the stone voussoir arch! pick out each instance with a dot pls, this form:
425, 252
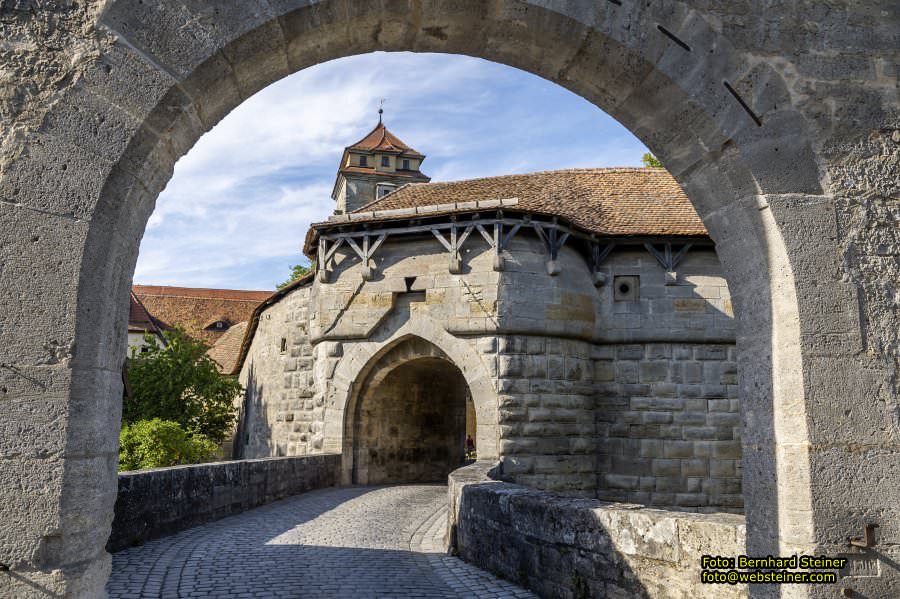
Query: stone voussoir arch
88, 155
427, 339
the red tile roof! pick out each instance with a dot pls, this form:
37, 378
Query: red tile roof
605, 201
194, 309
139, 320
226, 350
380, 139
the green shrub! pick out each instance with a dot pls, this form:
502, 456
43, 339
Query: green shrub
179, 382
158, 443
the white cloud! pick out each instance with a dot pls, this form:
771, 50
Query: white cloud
237, 209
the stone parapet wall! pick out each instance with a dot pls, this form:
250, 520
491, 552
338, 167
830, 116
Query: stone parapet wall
668, 425
564, 547
163, 501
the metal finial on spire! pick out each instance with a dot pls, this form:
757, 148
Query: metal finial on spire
380, 110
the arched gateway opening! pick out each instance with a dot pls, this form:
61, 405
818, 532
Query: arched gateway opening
409, 413
411, 418
144, 80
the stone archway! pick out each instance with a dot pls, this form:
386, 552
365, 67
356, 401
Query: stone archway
784, 160
406, 420
416, 339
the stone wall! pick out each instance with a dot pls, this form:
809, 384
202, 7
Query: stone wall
668, 423
693, 306
546, 395
280, 413
410, 424
163, 501
579, 548
581, 411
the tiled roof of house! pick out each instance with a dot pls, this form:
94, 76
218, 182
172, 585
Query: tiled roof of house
139, 320
606, 201
380, 139
194, 309
226, 350
620, 202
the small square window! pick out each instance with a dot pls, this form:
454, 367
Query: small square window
385, 161
627, 288
363, 161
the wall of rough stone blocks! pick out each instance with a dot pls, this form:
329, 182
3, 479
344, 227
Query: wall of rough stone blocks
546, 398
668, 425
410, 424
579, 548
695, 306
280, 413
651, 421
146, 507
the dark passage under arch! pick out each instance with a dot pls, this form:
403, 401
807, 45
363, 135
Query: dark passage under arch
410, 423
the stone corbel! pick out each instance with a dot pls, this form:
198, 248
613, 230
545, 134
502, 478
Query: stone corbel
668, 260
325, 254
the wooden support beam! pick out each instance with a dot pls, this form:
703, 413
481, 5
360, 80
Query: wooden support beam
598, 255
668, 260
553, 240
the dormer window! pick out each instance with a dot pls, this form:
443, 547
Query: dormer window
406, 164
219, 325
385, 161
363, 161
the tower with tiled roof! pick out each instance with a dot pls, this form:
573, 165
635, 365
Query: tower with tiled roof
373, 167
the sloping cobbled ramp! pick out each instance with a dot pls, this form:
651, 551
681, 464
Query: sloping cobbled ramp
357, 542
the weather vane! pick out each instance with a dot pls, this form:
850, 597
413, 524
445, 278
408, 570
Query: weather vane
380, 110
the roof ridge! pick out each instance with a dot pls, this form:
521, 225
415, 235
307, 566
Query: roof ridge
597, 169
145, 286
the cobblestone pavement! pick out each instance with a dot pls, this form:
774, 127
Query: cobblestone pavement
354, 542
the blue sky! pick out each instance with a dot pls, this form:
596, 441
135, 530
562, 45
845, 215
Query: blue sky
237, 209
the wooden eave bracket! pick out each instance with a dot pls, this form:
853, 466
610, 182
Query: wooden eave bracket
669, 260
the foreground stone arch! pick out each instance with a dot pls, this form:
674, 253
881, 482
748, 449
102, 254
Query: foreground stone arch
791, 162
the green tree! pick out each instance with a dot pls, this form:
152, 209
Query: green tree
158, 443
650, 160
180, 383
297, 271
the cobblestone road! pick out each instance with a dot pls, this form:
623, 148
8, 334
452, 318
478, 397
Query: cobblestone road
353, 542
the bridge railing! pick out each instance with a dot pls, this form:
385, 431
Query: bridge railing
162, 501
562, 546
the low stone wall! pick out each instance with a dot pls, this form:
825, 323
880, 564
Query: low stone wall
163, 501
577, 548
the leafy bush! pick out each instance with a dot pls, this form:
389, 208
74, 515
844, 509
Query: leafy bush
180, 383
158, 443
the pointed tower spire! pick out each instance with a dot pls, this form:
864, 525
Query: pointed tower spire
380, 110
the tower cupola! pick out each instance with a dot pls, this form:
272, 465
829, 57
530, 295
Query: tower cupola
373, 167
